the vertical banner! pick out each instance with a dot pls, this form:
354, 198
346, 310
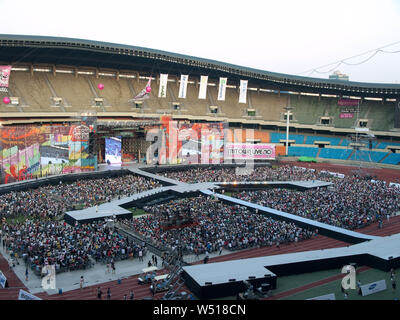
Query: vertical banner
222, 88
162, 93
183, 86
203, 87
5, 72
243, 91
3, 280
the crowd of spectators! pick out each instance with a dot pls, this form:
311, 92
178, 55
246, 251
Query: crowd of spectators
214, 225
230, 174
54, 200
351, 202
67, 247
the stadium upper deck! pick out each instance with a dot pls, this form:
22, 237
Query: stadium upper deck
49, 67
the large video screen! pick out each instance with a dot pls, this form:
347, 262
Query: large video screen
113, 150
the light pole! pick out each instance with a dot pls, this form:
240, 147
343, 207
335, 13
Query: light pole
287, 108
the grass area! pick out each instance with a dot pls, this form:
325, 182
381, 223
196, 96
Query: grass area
22, 218
17, 220
287, 283
79, 206
365, 277
290, 282
137, 212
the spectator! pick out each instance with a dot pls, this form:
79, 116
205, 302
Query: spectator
81, 282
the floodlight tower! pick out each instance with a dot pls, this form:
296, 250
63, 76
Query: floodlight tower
287, 108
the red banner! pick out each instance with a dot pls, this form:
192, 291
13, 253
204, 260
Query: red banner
346, 116
5, 72
348, 102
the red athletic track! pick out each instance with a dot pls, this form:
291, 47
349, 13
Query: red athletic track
117, 291
311, 285
320, 242
389, 175
14, 284
389, 228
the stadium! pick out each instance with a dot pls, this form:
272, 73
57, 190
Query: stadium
134, 173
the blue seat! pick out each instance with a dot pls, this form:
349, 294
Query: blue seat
333, 140
374, 156
393, 158
383, 145
277, 137
302, 151
330, 153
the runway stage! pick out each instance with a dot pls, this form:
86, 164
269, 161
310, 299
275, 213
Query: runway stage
381, 253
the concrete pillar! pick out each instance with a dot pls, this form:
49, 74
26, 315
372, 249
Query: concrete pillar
397, 113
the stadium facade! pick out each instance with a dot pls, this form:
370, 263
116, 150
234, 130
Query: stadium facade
55, 81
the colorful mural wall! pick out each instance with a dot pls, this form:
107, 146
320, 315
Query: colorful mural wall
28, 152
192, 142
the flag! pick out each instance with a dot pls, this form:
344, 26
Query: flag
144, 94
243, 91
203, 87
4, 77
162, 93
222, 88
183, 86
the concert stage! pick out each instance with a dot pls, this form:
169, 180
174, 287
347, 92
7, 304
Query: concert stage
382, 253
223, 279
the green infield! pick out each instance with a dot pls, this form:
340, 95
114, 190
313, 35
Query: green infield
137, 212
334, 286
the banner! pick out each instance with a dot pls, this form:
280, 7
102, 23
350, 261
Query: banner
162, 93
113, 150
183, 86
348, 102
330, 296
23, 295
203, 87
392, 184
3, 280
243, 91
222, 89
144, 94
346, 116
5, 72
249, 151
373, 287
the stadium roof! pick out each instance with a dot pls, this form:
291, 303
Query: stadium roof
18, 49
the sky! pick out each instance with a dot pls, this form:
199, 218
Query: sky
286, 36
